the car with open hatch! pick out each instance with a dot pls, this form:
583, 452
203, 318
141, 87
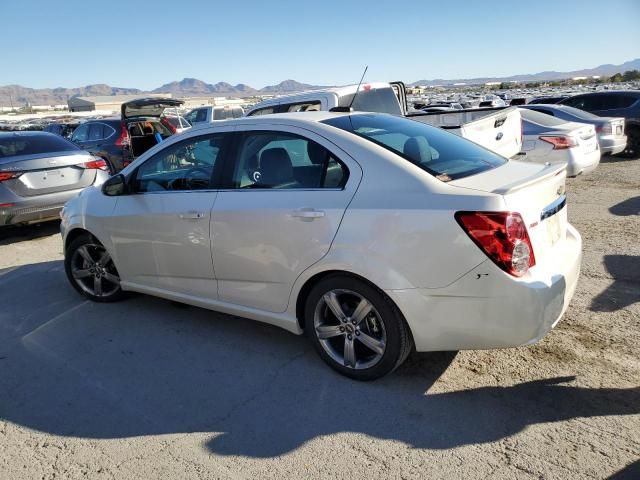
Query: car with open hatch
374, 234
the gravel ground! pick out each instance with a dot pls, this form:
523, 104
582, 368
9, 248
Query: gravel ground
150, 389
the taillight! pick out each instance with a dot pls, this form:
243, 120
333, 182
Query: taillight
123, 139
502, 236
604, 129
96, 164
559, 142
9, 175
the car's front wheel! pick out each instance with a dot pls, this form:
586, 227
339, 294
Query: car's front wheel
91, 270
355, 328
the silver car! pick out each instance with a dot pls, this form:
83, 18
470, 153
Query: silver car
610, 130
39, 172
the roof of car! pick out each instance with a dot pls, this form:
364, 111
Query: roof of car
295, 117
25, 133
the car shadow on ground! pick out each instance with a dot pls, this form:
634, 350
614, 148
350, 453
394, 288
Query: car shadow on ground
616, 159
625, 289
23, 233
141, 367
628, 207
630, 472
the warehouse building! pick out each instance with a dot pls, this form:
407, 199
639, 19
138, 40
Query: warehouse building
107, 102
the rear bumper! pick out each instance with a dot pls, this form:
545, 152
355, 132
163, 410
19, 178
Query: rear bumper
612, 145
580, 163
488, 308
35, 209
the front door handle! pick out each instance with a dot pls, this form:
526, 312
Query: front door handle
192, 215
307, 213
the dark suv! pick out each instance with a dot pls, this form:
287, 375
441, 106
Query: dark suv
623, 103
119, 141
106, 138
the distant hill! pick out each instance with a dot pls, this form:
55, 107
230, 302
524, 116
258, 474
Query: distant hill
602, 70
19, 96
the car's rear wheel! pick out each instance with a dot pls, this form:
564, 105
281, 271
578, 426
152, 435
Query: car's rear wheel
91, 270
355, 328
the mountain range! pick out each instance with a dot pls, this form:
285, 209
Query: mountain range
18, 96
605, 70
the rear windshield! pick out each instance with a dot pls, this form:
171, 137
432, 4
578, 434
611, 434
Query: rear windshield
382, 100
15, 145
442, 154
576, 112
540, 118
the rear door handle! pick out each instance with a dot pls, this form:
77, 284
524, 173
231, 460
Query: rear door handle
192, 215
307, 213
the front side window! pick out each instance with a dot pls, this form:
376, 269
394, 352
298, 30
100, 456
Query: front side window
262, 111
201, 115
303, 107
187, 165
382, 100
442, 154
276, 160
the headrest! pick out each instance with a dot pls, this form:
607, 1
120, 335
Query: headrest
275, 167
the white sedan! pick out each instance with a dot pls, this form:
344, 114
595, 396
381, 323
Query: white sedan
374, 234
549, 139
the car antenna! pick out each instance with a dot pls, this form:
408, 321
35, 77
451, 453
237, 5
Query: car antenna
349, 108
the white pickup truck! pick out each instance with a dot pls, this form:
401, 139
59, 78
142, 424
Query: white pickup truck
210, 113
498, 129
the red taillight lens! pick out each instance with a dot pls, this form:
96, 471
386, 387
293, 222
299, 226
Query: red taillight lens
123, 139
8, 175
502, 236
96, 164
559, 142
604, 129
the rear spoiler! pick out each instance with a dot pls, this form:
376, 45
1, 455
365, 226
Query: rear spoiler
551, 170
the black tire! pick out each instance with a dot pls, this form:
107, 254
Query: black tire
92, 273
387, 320
632, 149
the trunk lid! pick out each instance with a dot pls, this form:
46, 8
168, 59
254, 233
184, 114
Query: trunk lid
148, 107
536, 192
47, 173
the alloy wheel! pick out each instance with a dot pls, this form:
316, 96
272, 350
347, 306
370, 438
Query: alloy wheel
350, 329
93, 270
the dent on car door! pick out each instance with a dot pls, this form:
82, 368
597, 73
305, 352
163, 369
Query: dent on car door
160, 232
290, 189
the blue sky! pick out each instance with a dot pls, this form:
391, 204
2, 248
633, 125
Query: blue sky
144, 44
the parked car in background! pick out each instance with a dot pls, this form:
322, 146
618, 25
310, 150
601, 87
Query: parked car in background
120, 140
616, 103
549, 99
63, 129
493, 103
610, 130
549, 139
496, 129
210, 113
39, 172
373, 233
175, 123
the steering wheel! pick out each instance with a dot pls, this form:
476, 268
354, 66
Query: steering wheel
193, 179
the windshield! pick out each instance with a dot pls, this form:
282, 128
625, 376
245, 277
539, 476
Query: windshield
442, 154
14, 145
540, 118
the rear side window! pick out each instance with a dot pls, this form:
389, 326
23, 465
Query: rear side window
277, 160
442, 154
15, 145
81, 134
95, 131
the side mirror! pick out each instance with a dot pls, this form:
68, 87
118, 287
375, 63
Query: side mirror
116, 185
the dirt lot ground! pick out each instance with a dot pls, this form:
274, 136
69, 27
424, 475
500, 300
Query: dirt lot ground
148, 389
